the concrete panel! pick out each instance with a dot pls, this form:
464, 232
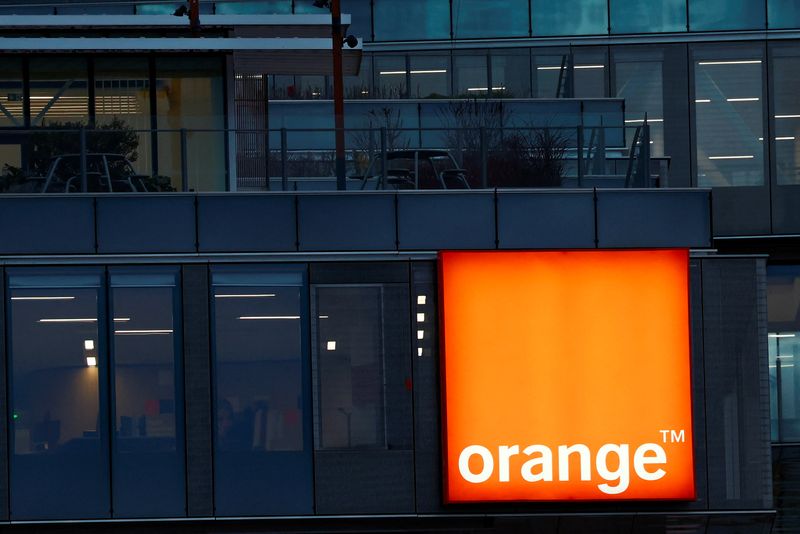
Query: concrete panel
246, 223
433, 220
146, 224
545, 219
653, 218
346, 221
47, 225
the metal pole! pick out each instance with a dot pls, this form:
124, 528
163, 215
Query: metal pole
580, 156
484, 160
184, 162
84, 177
284, 162
383, 158
338, 92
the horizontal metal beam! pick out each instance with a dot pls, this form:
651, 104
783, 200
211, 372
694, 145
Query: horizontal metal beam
166, 44
145, 21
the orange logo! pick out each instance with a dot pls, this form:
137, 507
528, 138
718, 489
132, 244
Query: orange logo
566, 375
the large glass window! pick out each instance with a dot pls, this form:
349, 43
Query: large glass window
498, 18
360, 12
429, 76
569, 17
360, 86
406, 20
11, 96
59, 426
148, 451
391, 77
783, 301
189, 94
59, 91
785, 72
262, 438
638, 76
783, 14
471, 75
268, 7
576, 73
648, 16
511, 73
728, 112
726, 15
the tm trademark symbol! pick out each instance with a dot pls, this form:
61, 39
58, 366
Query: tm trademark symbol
673, 436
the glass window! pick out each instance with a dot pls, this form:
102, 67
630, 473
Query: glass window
122, 105
360, 86
360, 12
783, 14
728, 113
59, 425
391, 77
190, 94
471, 75
511, 73
148, 450
726, 15
648, 16
59, 91
262, 439
408, 20
260, 7
783, 302
569, 17
638, 76
11, 96
498, 18
553, 77
429, 76
785, 74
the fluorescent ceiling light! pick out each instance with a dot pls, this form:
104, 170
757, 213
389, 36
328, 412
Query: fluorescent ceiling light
420, 334
88, 344
731, 157
642, 120
323, 316
421, 299
747, 99
787, 116
91, 361
419, 352
121, 319
786, 138
702, 101
780, 335
331, 345
68, 320
400, 72
473, 89
785, 357
42, 298
246, 296
420, 317
268, 317
142, 332
736, 62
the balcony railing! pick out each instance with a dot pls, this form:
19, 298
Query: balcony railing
109, 160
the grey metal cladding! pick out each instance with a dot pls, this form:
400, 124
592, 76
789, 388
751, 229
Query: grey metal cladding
545, 219
246, 223
653, 218
146, 224
47, 225
346, 221
446, 220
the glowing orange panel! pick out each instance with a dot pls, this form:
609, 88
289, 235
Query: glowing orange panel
566, 375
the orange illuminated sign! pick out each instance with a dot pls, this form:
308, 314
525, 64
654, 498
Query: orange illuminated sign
566, 375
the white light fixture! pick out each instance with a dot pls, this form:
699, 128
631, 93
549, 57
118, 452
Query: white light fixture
323, 317
780, 335
391, 72
702, 101
785, 357
787, 116
419, 352
420, 334
421, 299
121, 319
142, 332
269, 317
737, 62
731, 157
633, 121
786, 138
331, 345
558, 67
69, 320
42, 298
476, 89
420, 317
245, 296
400, 72
88, 344
91, 361
747, 99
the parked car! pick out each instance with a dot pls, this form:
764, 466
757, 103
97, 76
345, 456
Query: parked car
105, 173
415, 169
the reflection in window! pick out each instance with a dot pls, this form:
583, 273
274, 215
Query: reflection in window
511, 70
726, 15
59, 465
729, 118
553, 77
411, 19
148, 457
11, 96
259, 7
785, 74
648, 16
783, 301
471, 76
638, 78
350, 366
360, 13
263, 462
429, 76
569, 17
391, 77
498, 18
59, 91
360, 86
783, 14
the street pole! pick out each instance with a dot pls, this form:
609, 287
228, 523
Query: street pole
338, 93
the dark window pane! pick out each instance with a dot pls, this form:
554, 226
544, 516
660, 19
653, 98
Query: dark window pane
784, 351
639, 80
148, 453
498, 18
11, 94
552, 73
263, 7
511, 73
262, 446
59, 431
360, 13
59, 91
569, 17
471, 75
729, 116
391, 77
786, 105
726, 15
783, 14
405, 20
360, 86
429, 76
648, 16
